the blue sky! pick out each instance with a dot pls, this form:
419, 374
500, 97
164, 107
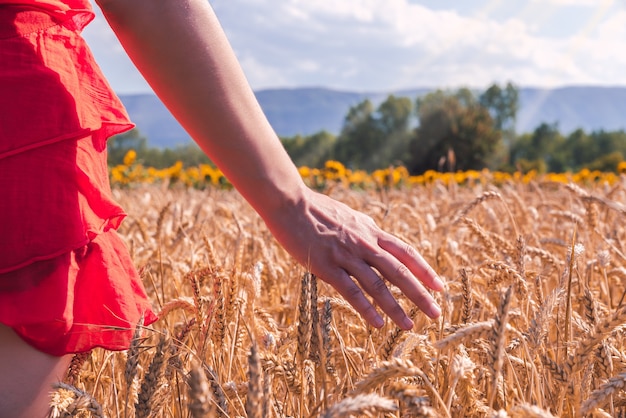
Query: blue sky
388, 45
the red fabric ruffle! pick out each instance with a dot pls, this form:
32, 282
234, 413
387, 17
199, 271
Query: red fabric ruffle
67, 283
90, 297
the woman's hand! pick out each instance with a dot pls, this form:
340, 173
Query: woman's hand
182, 51
337, 244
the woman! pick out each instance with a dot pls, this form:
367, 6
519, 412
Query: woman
182, 52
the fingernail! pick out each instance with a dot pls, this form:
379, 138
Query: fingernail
379, 322
438, 283
407, 324
434, 310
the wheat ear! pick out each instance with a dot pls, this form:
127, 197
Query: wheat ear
489, 195
73, 403
143, 408
468, 300
254, 399
132, 361
499, 327
601, 331
304, 318
75, 365
362, 404
199, 394
218, 393
599, 396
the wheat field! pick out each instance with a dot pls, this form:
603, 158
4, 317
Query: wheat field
532, 325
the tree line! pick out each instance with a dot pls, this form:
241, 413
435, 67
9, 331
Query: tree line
443, 130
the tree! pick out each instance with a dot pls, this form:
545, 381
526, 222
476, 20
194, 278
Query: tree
119, 145
503, 105
453, 125
372, 139
311, 151
579, 146
394, 114
544, 144
597, 150
606, 162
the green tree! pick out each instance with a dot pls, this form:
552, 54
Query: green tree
394, 115
189, 154
359, 132
598, 150
119, 145
545, 144
455, 128
607, 162
503, 105
311, 151
372, 139
579, 147
608, 142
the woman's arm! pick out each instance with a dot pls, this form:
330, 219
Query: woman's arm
181, 50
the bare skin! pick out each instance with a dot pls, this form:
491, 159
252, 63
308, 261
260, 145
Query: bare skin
27, 377
181, 50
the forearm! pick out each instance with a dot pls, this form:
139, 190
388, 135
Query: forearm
181, 50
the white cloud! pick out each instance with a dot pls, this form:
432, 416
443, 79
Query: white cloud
373, 45
112, 58
367, 44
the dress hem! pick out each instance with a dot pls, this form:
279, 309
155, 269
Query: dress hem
151, 318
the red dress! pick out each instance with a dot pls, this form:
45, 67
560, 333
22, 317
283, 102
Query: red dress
67, 283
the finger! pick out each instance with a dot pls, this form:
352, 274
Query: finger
377, 288
355, 297
410, 258
390, 264
399, 274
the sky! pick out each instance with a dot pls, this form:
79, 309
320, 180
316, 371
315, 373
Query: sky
392, 45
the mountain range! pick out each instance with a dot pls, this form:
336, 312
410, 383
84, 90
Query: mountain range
306, 111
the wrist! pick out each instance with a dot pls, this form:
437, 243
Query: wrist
272, 198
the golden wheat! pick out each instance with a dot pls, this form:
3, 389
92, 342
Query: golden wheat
532, 325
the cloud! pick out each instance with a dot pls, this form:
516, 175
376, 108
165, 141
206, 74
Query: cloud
111, 57
369, 45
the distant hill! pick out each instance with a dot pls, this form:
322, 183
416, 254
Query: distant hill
309, 110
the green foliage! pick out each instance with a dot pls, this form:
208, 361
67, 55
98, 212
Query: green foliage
189, 154
455, 132
606, 163
597, 151
523, 165
311, 151
502, 104
119, 145
371, 139
544, 144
